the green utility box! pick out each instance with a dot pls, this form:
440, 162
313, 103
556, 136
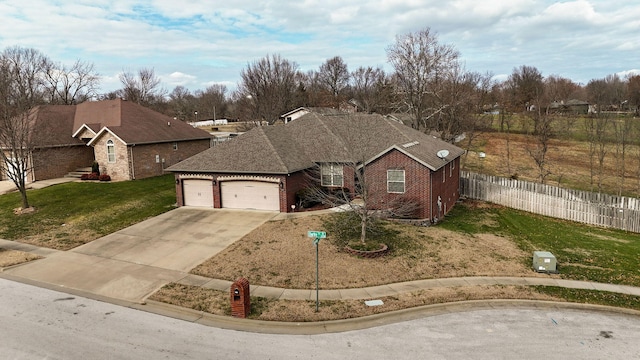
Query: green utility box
544, 261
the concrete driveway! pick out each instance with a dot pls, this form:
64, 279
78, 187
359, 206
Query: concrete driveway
134, 262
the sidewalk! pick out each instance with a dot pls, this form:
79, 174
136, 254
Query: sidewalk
7, 186
371, 292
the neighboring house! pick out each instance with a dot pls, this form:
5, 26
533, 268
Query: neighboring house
570, 107
267, 167
301, 111
127, 140
54, 152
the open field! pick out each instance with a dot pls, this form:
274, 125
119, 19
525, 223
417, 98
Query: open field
567, 160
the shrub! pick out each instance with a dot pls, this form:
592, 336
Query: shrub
95, 168
104, 177
93, 176
84, 177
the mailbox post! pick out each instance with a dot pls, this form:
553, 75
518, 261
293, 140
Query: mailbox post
240, 298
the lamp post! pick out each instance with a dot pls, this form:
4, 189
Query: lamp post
195, 113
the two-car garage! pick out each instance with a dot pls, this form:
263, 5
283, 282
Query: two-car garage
256, 195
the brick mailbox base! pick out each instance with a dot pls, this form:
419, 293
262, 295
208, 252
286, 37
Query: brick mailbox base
240, 298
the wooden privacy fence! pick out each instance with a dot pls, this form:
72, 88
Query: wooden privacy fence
605, 210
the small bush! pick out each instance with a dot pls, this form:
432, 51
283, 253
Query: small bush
104, 177
95, 168
93, 176
84, 177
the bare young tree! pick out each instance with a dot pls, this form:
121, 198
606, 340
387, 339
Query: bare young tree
420, 61
270, 85
22, 88
71, 85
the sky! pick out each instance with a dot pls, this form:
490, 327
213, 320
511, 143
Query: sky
197, 43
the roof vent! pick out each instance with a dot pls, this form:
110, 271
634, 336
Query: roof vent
168, 123
408, 145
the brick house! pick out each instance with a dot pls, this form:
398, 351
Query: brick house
267, 167
127, 140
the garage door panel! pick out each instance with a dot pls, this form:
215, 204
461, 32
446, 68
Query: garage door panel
250, 195
197, 193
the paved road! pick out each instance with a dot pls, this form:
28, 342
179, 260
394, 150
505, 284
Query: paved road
37, 323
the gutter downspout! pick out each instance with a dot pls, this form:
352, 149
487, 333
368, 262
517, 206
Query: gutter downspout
133, 167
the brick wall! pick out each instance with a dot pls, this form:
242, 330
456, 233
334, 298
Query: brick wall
448, 190
145, 156
417, 180
57, 162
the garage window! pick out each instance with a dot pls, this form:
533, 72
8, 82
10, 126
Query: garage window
331, 175
111, 151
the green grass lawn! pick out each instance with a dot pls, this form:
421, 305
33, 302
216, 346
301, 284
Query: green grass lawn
583, 252
94, 208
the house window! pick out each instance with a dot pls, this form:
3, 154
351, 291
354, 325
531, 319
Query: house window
175, 146
331, 174
111, 151
444, 173
452, 165
395, 181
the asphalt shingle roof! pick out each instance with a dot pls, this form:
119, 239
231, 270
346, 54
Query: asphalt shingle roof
316, 138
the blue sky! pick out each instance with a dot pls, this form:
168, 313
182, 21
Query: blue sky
196, 43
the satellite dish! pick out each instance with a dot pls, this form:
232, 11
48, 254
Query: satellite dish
442, 154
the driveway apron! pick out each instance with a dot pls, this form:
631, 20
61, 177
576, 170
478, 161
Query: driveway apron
134, 262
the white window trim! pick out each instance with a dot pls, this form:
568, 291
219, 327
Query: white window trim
332, 170
111, 156
404, 180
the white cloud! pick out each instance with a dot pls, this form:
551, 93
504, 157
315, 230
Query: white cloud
211, 41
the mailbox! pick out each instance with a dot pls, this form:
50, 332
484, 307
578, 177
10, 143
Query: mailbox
240, 298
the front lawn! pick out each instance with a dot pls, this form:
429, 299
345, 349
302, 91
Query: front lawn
71, 214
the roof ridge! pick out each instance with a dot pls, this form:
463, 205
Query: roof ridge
273, 148
340, 139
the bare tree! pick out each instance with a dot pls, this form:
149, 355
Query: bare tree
182, 103
142, 88
270, 84
71, 85
22, 88
212, 101
333, 76
633, 93
371, 89
420, 61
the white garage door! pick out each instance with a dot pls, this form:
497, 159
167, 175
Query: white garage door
250, 195
198, 193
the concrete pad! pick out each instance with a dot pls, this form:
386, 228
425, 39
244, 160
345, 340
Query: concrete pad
194, 280
404, 287
266, 291
186, 257
452, 282
574, 284
475, 281
217, 284
293, 294
381, 291
327, 295
108, 246
354, 294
